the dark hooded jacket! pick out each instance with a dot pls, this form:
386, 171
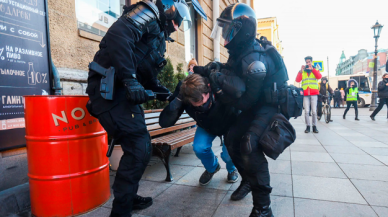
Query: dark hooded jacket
383, 89
323, 90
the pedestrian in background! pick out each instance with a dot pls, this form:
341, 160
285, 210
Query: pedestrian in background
190, 66
309, 76
325, 92
337, 98
383, 95
351, 97
342, 96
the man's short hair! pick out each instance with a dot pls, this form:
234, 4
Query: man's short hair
308, 58
193, 87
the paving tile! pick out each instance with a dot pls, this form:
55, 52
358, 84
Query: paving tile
279, 166
281, 185
376, 151
281, 206
158, 172
368, 144
383, 159
312, 141
307, 148
344, 149
381, 211
146, 189
355, 159
367, 172
375, 192
100, 211
219, 180
360, 137
308, 208
311, 156
185, 160
179, 200
284, 156
330, 189
335, 142
318, 169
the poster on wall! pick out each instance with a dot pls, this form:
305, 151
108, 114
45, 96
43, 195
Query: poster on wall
24, 64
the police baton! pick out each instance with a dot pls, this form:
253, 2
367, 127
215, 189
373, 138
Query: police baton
110, 148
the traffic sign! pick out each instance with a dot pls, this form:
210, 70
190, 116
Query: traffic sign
318, 65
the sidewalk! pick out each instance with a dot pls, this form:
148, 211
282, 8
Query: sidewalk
342, 171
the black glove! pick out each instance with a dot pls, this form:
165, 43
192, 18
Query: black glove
207, 69
161, 92
214, 84
135, 91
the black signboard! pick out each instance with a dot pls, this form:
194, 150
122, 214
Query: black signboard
24, 64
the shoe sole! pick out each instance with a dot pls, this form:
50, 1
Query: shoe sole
233, 181
140, 207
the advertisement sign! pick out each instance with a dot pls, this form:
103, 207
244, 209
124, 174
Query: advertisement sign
24, 64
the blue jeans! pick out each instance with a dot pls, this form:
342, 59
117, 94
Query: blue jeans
202, 147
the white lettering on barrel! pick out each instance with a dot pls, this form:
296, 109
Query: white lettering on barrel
63, 118
80, 117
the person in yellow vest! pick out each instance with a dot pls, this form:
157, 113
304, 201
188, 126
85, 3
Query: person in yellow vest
351, 97
309, 77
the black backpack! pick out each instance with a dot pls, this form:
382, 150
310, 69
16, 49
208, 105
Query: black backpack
278, 135
291, 101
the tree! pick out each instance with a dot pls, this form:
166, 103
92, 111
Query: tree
167, 79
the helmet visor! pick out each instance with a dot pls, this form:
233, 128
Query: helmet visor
225, 30
179, 12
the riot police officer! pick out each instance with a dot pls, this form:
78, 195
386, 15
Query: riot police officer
134, 46
261, 67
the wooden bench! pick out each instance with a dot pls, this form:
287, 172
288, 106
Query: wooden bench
164, 140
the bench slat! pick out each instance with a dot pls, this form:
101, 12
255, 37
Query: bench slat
171, 138
174, 136
156, 120
170, 129
157, 126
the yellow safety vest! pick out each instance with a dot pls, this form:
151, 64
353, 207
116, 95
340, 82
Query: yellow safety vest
309, 81
352, 95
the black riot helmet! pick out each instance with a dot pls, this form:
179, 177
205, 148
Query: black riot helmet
178, 11
236, 26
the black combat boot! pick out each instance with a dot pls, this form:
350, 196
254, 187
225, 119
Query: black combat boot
265, 211
241, 191
373, 118
315, 130
307, 129
141, 202
343, 117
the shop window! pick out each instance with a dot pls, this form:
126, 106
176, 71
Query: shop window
96, 16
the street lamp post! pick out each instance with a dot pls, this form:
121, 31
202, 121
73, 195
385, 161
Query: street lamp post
376, 30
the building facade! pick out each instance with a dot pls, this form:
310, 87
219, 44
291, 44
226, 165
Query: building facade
361, 63
269, 28
76, 28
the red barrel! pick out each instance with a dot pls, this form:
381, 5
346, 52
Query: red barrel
67, 167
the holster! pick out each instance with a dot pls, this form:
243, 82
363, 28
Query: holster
107, 79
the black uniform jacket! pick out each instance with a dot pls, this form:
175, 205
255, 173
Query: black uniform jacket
216, 121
